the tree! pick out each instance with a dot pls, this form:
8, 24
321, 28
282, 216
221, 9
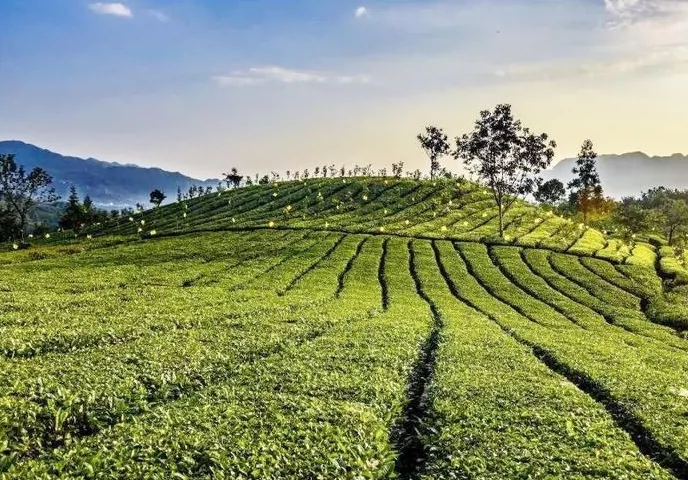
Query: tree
21, 191
435, 144
586, 187
506, 156
674, 218
74, 214
233, 179
631, 215
157, 197
551, 192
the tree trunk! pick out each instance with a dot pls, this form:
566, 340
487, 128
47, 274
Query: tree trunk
500, 212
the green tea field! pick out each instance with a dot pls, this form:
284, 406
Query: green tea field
343, 329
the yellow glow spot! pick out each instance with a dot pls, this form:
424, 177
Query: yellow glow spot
382, 229
271, 224
444, 228
407, 222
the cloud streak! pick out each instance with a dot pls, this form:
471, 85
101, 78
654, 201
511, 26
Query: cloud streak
275, 74
115, 9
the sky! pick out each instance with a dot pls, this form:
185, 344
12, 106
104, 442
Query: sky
200, 86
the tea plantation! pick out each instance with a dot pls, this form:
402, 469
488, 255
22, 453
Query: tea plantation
343, 329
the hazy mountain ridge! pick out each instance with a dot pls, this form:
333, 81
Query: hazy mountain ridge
108, 183
631, 173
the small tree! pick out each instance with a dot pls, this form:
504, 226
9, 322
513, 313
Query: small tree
436, 145
74, 214
233, 179
674, 218
551, 192
586, 187
157, 197
506, 156
21, 191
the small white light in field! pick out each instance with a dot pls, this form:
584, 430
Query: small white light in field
15, 246
465, 224
343, 181
30, 235
386, 211
153, 232
386, 182
633, 236
413, 199
337, 207
365, 197
184, 215
89, 236
484, 192
219, 194
288, 208
131, 219
327, 224
143, 222
47, 235
271, 224
444, 228
451, 202
140, 230
507, 238
434, 214
434, 184
407, 222
233, 220
484, 214
382, 229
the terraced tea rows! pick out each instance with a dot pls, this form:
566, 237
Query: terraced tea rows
444, 209
300, 353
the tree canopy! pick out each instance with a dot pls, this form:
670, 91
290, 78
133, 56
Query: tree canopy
506, 156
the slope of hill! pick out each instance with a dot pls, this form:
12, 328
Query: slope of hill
631, 173
107, 183
334, 329
443, 209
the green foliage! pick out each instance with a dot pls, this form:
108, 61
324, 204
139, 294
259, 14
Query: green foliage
505, 156
340, 328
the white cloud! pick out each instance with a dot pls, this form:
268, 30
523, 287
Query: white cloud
158, 15
271, 74
116, 9
361, 12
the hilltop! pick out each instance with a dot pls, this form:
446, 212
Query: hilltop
443, 209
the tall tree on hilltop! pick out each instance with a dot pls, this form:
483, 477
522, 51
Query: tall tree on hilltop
22, 190
586, 189
506, 156
435, 143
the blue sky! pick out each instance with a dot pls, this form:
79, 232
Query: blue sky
203, 85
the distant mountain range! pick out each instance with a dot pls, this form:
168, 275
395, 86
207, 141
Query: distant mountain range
631, 173
108, 184
117, 185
